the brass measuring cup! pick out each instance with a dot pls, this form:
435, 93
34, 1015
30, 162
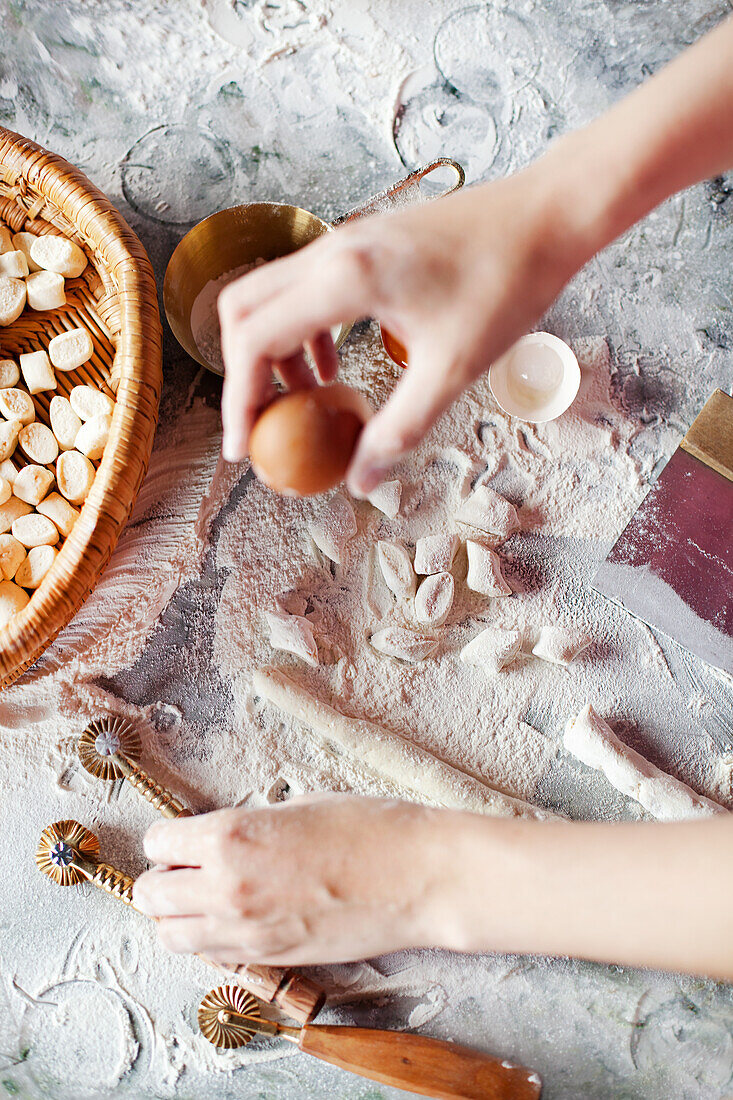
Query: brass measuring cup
266, 231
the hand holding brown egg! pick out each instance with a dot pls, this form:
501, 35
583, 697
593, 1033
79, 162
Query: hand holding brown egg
303, 442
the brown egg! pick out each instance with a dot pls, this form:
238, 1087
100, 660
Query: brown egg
303, 442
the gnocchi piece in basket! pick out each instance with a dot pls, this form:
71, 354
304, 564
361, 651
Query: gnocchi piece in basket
74, 476
12, 600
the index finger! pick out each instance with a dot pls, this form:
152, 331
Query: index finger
182, 842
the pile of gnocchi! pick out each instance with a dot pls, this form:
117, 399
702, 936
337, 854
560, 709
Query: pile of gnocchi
46, 472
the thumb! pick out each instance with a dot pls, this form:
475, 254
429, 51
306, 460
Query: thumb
428, 387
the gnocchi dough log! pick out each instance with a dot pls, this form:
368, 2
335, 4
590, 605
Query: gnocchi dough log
388, 755
593, 742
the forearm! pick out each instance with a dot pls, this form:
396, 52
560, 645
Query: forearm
637, 894
670, 133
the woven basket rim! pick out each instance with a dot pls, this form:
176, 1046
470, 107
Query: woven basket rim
137, 377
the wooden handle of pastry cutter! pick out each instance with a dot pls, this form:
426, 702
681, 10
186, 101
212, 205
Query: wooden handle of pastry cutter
299, 998
416, 1063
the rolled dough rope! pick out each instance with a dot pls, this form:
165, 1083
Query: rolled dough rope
388, 755
668, 799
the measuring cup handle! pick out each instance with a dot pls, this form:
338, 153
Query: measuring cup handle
399, 193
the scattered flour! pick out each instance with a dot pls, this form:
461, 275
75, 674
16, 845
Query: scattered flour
205, 317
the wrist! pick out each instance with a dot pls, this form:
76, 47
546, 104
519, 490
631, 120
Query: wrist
473, 865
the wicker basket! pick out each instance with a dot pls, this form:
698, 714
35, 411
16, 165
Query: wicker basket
115, 300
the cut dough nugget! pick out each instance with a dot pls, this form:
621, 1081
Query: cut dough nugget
71, 349
34, 530
32, 483
60, 511
6, 240
46, 290
12, 510
39, 444
14, 264
37, 372
58, 254
74, 476
490, 512
9, 431
9, 373
406, 645
434, 599
294, 634
22, 242
492, 649
12, 554
12, 600
88, 402
396, 566
17, 405
6, 489
12, 299
91, 439
8, 471
435, 553
484, 571
38, 562
65, 423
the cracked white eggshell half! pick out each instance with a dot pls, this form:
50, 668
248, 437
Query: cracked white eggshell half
537, 379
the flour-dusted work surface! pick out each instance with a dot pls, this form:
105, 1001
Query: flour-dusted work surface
177, 111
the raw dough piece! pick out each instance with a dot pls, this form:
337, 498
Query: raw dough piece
36, 565
86, 401
386, 497
10, 511
14, 265
12, 600
8, 470
489, 512
406, 645
668, 799
64, 422
294, 634
492, 649
6, 240
32, 483
387, 755
60, 511
9, 431
12, 299
435, 553
46, 290
74, 476
12, 554
396, 566
38, 442
17, 405
333, 528
484, 571
35, 530
434, 599
561, 644
71, 349
6, 489
22, 242
58, 254
37, 374
9, 373
91, 439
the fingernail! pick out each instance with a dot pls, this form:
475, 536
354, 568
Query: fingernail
150, 838
139, 897
232, 448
